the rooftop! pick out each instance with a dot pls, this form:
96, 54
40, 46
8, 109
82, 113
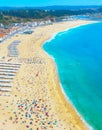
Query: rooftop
1, 35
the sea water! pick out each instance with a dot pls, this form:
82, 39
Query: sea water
78, 56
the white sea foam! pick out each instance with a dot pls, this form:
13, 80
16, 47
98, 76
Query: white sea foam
66, 97
66, 30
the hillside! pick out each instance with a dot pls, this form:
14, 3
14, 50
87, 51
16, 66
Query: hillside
11, 14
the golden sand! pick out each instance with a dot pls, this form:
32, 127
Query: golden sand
36, 101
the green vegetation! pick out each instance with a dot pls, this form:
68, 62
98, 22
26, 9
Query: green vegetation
28, 14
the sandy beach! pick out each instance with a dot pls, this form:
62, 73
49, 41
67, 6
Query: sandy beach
35, 100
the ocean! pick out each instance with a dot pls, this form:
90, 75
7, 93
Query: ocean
78, 56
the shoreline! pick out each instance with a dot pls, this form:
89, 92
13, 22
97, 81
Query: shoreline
39, 81
63, 31
66, 98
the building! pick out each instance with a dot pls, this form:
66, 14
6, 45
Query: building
1, 25
1, 37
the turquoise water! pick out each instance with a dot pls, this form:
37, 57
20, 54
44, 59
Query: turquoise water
78, 55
